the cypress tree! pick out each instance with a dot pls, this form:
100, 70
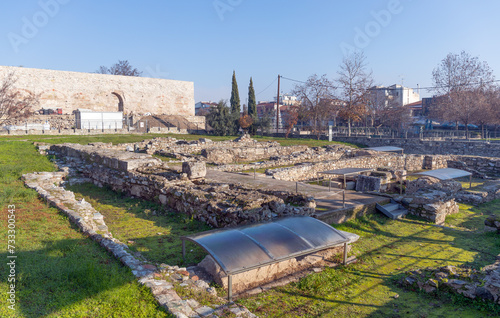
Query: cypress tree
252, 107
235, 106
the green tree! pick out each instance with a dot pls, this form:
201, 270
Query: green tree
252, 107
235, 106
264, 123
220, 119
123, 67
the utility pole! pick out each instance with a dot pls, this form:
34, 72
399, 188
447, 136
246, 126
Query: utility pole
278, 106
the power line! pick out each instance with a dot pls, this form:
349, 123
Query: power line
414, 88
266, 87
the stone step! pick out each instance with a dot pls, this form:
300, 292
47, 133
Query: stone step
391, 207
392, 210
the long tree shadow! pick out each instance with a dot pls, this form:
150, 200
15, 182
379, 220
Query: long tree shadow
148, 228
70, 272
369, 288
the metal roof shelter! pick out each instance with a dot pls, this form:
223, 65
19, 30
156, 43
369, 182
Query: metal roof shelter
386, 149
244, 248
345, 172
447, 174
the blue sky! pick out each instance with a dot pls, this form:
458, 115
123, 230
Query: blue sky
205, 40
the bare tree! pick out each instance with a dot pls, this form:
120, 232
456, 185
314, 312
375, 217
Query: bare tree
462, 79
354, 82
15, 104
395, 116
120, 68
488, 103
314, 96
290, 118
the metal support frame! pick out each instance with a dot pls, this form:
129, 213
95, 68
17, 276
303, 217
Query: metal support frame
345, 253
229, 288
183, 249
262, 264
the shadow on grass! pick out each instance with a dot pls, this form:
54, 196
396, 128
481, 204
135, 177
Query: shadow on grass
76, 278
369, 288
152, 229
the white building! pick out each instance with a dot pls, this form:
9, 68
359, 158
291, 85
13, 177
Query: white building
203, 108
393, 95
287, 100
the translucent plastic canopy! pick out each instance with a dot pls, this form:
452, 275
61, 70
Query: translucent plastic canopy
346, 171
386, 149
244, 248
445, 173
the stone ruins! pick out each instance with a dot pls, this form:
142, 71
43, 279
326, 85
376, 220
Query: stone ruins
180, 182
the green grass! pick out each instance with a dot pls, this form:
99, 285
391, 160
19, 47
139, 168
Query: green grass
64, 274
367, 289
60, 272
155, 231
472, 217
130, 138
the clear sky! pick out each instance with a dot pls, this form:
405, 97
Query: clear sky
205, 40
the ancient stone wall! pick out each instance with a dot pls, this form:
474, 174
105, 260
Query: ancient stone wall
480, 166
72, 90
251, 153
393, 161
427, 147
216, 204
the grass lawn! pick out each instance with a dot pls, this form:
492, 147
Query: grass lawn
154, 230
369, 289
59, 271
62, 273
117, 139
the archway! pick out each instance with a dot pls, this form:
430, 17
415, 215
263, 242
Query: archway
120, 101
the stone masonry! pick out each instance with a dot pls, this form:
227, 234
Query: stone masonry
160, 279
216, 204
72, 90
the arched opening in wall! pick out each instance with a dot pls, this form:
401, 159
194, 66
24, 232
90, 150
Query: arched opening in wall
120, 101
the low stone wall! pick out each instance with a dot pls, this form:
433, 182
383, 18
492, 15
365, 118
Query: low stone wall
238, 154
247, 280
100, 154
316, 154
91, 223
393, 161
489, 166
481, 284
219, 205
481, 167
169, 145
427, 147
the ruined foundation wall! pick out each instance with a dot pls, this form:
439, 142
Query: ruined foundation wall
430, 147
218, 205
393, 161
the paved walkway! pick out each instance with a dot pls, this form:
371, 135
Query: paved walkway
326, 201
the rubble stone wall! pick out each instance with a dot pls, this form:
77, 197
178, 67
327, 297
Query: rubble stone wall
218, 205
430, 147
233, 154
394, 161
